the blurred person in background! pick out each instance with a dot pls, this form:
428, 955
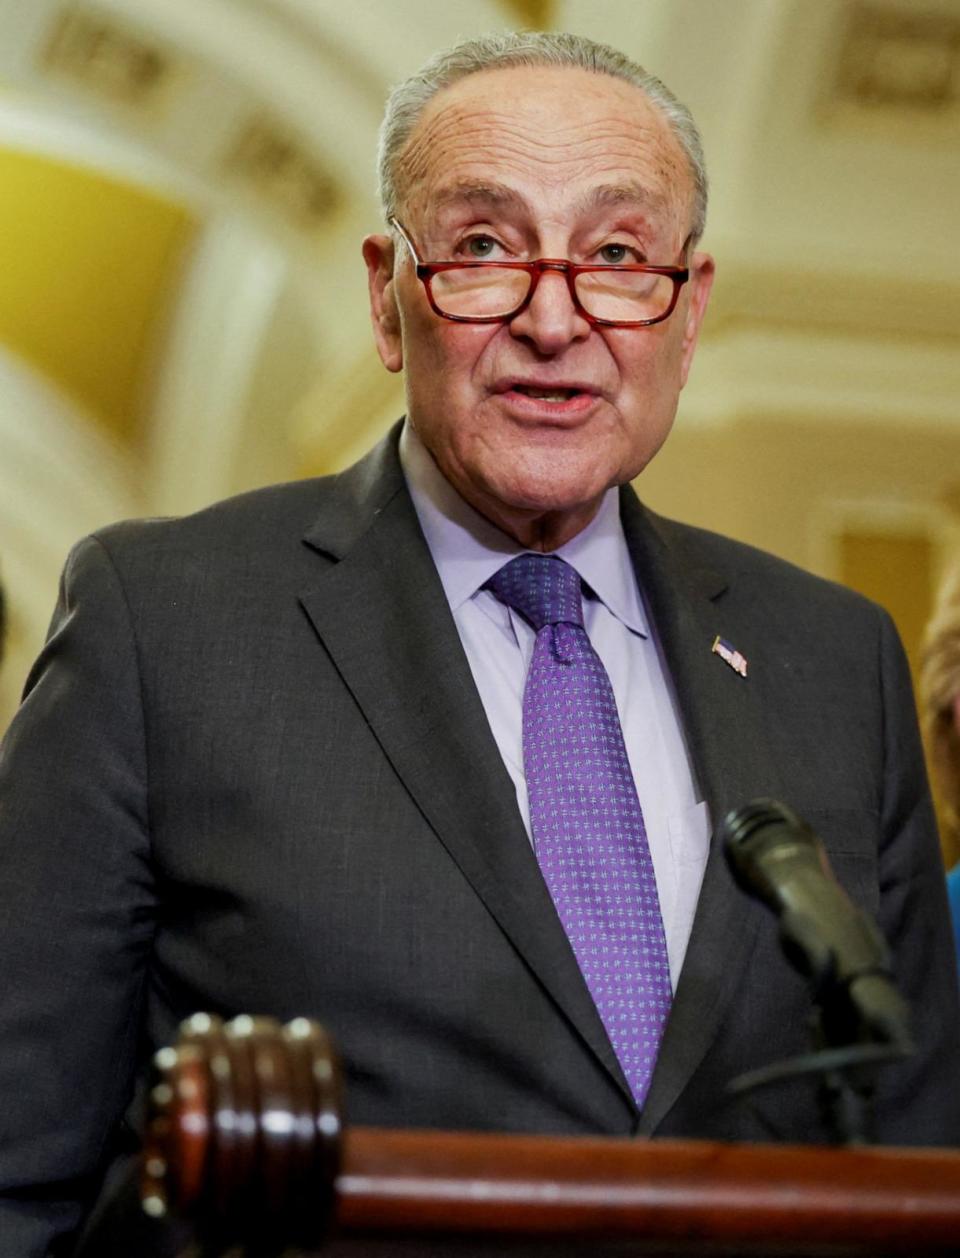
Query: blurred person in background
940, 707
438, 750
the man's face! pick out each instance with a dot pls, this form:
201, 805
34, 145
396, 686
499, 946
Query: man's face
517, 164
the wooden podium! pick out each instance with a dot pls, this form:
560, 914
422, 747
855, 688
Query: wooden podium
246, 1140
481, 1194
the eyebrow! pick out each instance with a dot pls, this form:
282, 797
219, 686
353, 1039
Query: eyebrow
500, 196
630, 193
481, 193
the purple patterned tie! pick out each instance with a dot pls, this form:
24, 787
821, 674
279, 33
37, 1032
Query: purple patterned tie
588, 830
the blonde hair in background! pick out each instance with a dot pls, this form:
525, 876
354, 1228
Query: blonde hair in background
939, 687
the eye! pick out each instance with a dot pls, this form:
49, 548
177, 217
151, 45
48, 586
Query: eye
478, 248
615, 252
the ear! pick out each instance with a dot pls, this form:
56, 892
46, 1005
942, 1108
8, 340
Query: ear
378, 254
701, 282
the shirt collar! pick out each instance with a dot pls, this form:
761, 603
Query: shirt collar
467, 549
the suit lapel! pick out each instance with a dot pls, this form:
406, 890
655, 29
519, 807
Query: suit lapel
381, 613
724, 730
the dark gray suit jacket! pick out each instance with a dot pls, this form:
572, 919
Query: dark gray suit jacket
253, 773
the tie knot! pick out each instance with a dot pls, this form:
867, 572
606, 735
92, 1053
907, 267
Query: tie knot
542, 588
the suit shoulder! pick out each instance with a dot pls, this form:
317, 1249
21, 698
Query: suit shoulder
739, 562
253, 541
263, 522
255, 519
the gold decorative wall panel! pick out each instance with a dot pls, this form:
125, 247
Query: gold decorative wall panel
900, 58
107, 59
88, 267
895, 568
280, 171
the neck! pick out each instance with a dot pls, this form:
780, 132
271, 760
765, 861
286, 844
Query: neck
538, 530
533, 529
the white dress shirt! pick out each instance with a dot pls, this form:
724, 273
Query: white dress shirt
467, 550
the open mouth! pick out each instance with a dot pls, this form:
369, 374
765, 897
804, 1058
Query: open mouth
547, 395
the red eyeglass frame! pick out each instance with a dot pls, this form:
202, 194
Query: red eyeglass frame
570, 270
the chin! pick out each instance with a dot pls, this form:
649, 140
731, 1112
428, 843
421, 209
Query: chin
550, 490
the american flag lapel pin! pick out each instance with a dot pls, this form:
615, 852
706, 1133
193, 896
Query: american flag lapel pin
730, 655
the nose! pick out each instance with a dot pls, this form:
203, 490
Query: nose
550, 321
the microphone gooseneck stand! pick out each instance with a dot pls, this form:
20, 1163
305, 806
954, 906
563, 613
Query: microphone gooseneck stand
860, 1022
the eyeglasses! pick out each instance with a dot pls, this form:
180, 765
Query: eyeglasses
627, 296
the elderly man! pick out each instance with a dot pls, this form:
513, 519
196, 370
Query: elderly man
433, 750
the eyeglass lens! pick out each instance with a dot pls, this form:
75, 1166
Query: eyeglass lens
628, 296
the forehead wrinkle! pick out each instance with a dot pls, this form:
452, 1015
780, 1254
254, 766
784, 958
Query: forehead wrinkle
531, 162
460, 133
460, 127
496, 134
482, 193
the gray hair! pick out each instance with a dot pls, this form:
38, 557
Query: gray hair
408, 99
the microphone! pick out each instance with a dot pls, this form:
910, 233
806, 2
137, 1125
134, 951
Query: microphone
777, 858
